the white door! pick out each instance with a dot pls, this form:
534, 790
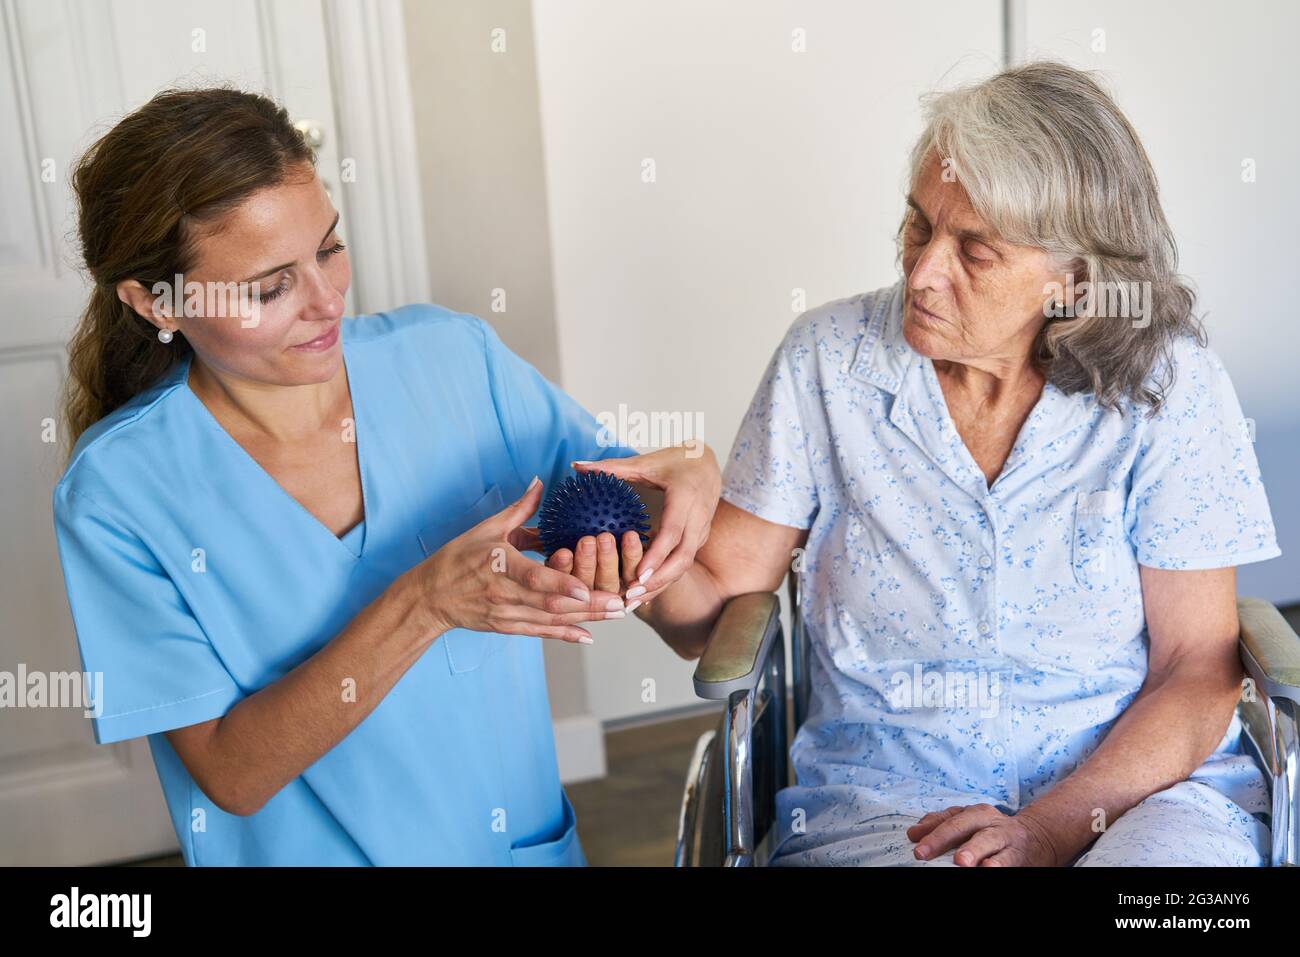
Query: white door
67, 71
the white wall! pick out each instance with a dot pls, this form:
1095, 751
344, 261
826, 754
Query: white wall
1208, 85
776, 170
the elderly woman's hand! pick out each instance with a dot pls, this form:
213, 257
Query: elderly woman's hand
985, 837
596, 563
691, 482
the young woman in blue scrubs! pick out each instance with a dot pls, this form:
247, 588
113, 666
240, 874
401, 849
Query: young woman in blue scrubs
293, 543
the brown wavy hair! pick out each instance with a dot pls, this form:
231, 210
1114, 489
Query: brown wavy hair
185, 158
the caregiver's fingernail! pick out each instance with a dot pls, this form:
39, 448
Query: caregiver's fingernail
587, 640
581, 594
634, 606
636, 591
645, 575
614, 604
615, 614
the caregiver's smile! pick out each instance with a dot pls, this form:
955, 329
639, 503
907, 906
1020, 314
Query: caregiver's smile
286, 240
322, 343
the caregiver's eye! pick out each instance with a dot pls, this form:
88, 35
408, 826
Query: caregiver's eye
275, 291
338, 247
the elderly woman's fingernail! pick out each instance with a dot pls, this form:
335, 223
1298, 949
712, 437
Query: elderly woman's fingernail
645, 575
923, 850
614, 604
636, 591
634, 606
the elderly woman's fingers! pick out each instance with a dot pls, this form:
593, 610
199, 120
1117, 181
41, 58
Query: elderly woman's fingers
956, 829
526, 539
607, 563
584, 562
984, 843
930, 821
631, 558
561, 560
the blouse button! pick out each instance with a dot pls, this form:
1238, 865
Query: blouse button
998, 750
985, 561
984, 627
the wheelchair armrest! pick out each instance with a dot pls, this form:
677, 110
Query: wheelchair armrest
1270, 649
739, 644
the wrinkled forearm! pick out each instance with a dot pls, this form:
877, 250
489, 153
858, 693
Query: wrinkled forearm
1164, 735
684, 613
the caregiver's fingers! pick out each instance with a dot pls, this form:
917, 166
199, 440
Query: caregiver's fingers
536, 576
538, 616
661, 545
571, 633
607, 563
681, 534
596, 608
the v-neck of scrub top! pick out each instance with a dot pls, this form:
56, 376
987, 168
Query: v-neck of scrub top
352, 541
353, 536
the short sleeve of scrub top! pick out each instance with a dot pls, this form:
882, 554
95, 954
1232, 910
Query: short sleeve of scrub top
194, 580
175, 677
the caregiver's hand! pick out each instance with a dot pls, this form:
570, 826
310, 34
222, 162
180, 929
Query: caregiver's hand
985, 837
691, 483
480, 580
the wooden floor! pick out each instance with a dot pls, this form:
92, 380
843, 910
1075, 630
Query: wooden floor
629, 817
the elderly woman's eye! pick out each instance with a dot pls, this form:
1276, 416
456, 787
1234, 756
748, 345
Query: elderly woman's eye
977, 254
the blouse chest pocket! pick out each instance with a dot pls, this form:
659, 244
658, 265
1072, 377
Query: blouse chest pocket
1099, 539
466, 650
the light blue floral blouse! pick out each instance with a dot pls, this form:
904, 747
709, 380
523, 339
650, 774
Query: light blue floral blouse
975, 644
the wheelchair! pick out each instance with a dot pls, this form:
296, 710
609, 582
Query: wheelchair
729, 801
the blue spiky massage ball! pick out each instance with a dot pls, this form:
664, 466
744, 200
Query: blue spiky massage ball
587, 504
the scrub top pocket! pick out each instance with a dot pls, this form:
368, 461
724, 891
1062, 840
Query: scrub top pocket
1098, 539
466, 650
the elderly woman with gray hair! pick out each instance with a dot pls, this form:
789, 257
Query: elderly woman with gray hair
1017, 483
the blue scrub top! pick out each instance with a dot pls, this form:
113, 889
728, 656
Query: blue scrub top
194, 579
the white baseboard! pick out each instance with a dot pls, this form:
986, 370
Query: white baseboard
580, 748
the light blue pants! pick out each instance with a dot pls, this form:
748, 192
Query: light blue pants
1189, 824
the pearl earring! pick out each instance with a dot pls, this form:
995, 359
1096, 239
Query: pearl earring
164, 335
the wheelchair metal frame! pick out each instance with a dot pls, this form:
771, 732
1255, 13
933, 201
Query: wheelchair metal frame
728, 804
